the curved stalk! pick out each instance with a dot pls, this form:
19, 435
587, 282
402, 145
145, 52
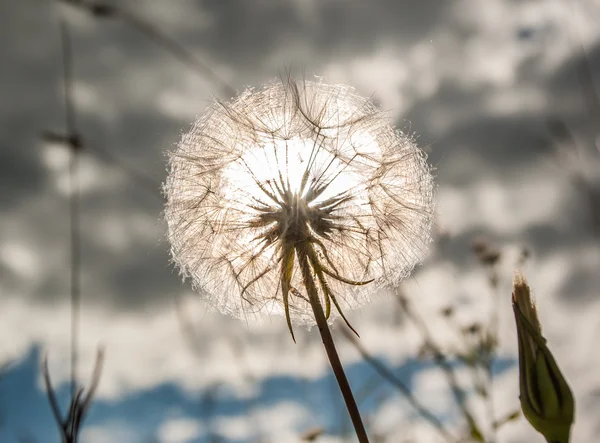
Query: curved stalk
303, 251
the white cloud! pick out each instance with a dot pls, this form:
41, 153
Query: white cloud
475, 51
109, 433
179, 430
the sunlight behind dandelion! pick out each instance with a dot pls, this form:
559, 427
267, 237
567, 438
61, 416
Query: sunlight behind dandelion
267, 170
290, 168
285, 162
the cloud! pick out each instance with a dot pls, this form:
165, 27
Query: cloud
476, 85
179, 430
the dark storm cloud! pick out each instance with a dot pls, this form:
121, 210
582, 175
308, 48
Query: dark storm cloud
31, 85
248, 31
28, 99
488, 147
21, 172
479, 147
568, 79
473, 144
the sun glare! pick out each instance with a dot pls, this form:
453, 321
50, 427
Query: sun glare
283, 165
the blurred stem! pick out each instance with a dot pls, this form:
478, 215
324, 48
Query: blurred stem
70, 121
75, 264
491, 355
302, 252
99, 9
193, 339
405, 390
440, 360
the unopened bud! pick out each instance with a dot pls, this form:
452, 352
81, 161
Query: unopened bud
546, 399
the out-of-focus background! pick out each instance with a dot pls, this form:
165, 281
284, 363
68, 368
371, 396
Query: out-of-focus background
503, 95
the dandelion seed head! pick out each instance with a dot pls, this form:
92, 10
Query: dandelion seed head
296, 163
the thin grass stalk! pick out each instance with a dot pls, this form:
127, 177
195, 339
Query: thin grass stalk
153, 33
404, 390
494, 329
75, 255
440, 360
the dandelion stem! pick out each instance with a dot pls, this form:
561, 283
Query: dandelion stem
302, 252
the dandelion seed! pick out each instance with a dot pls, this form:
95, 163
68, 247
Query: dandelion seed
289, 164
300, 200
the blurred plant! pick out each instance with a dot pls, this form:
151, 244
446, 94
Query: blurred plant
312, 434
403, 388
482, 340
81, 400
475, 349
297, 186
443, 359
72, 139
109, 10
546, 399
193, 339
578, 163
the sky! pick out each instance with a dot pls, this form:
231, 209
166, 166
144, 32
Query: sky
501, 94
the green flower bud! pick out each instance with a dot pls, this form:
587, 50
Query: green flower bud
546, 399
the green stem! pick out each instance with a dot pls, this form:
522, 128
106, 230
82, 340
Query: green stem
302, 252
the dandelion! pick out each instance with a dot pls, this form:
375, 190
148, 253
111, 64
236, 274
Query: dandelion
298, 199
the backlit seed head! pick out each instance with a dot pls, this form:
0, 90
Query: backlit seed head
296, 164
